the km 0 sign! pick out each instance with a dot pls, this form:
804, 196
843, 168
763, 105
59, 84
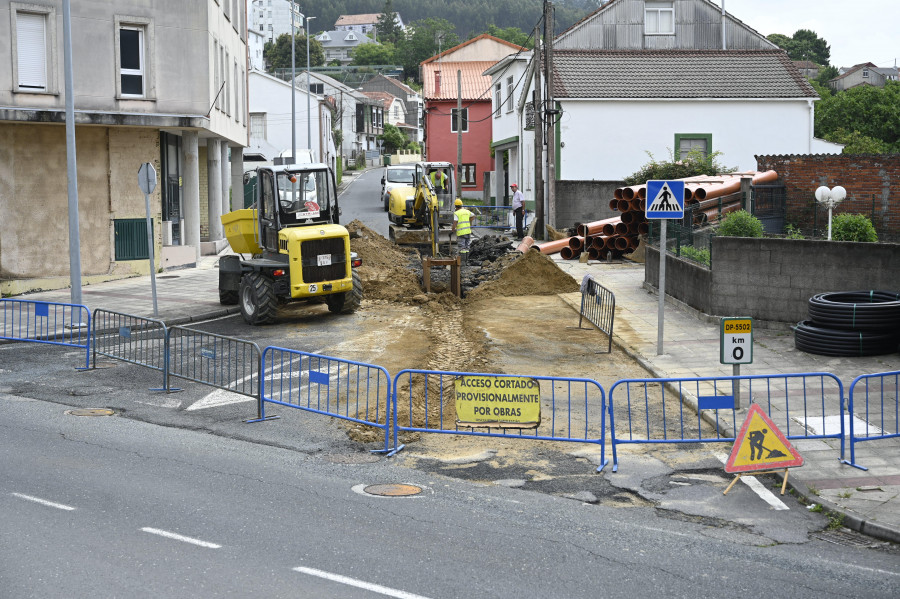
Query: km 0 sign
736, 341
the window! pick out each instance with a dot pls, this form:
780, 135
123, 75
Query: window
509, 94
227, 89
468, 176
686, 142
317, 88
465, 120
659, 17
131, 61
32, 50
396, 113
865, 73
498, 100
237, 92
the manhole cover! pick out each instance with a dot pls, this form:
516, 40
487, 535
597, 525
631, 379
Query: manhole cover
350, 458
91, 412
841, 537
393, 490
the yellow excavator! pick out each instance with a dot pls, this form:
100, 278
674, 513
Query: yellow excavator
419, 213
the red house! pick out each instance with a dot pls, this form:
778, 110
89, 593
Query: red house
441, 90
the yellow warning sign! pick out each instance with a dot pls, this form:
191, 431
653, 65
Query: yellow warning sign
498, 401
761, 446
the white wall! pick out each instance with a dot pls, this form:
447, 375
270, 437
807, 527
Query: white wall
609, 140
273, 97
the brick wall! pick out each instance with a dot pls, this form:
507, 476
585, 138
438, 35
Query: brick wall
872, 182
773, 279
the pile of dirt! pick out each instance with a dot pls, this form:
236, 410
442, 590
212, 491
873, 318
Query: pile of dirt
385, 273
530, 273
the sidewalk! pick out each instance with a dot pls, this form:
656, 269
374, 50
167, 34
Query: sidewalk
870, 500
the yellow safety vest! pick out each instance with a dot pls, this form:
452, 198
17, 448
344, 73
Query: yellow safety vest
443, 179
463, 226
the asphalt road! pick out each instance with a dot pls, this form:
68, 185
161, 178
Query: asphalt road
361, 200
112, 507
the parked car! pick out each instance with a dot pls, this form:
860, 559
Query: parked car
395, 176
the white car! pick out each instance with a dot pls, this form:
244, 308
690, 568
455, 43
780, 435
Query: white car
396, 176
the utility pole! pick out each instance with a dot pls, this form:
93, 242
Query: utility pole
538, 142
308, 86
459, 121
551, 113
71, 162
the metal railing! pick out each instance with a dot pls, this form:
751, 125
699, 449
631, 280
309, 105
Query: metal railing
802, 406
224, 362
598, 305
133, 339
568, 409
47, 322
877, 397
345, 389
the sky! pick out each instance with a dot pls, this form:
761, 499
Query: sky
856, 30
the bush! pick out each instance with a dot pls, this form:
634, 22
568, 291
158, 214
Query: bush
695, 163
740, 224
792, 232
700, 255
853, 227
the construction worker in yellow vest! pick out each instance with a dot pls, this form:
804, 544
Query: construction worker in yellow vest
439, 180
462, 225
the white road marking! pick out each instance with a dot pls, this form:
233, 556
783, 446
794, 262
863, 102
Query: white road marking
758, 487
58, 506
375, 588
219, 397
178, 537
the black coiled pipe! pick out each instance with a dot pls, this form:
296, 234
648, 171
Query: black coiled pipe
856, 310
813, 339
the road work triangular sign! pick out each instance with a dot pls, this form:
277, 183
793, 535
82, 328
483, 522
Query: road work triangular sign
761, 446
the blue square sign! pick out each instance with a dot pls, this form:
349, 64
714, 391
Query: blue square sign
665, 199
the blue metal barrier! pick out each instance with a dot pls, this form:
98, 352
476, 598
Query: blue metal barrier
215, 360
133, 339
47, 322
802, 406
880, 409
345, 389
426, 401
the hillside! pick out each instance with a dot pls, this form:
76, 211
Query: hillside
469, 16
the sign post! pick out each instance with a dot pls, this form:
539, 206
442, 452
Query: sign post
147, 183
736, 348
665, 200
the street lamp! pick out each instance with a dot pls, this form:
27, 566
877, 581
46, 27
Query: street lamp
308, 115
294, 11
830, 198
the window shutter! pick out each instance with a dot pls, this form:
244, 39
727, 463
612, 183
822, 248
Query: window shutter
32, 50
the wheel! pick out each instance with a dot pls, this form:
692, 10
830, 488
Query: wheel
258, 302
347, 302
387, 202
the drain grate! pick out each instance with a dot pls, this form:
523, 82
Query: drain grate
91, 412
393, 490
842, 537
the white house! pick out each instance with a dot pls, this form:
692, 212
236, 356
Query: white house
339, 45
270, 120
639, 76
359, 118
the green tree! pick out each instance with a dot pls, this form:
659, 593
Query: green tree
825, 75
423, 40
365, 54
872, 111
857, 143
278, 54
387, 29
510, 34
803, 45
394, 139
695, 163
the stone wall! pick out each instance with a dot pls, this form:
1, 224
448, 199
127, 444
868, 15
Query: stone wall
871, 181
773, 279
583, 201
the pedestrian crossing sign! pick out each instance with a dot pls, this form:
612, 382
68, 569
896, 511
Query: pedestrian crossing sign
761, 446
665, 199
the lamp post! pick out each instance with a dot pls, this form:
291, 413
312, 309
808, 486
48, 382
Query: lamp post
308, 115
830, 198
294, 12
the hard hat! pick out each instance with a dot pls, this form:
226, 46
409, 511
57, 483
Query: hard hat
458, 202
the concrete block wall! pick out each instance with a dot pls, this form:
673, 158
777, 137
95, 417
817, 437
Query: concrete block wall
584, 201
871, 181
773, 279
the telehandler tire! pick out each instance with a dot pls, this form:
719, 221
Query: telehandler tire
258, 301
349, 301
